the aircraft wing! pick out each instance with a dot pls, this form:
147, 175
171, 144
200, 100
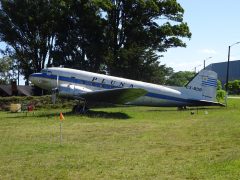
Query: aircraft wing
115, 96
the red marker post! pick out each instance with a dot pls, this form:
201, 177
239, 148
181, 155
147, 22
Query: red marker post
61, 117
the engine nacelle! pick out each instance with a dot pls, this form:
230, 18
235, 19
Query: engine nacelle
70, 90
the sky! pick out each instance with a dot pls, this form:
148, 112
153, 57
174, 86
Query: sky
215, 25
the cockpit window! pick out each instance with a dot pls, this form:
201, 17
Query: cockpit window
44, 71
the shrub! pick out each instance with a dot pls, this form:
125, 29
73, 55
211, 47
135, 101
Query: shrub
36, 101
220, 95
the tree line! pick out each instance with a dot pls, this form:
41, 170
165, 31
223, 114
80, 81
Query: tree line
234, 87
124, 38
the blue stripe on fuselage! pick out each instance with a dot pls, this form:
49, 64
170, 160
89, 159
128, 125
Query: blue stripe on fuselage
106, 86
171, 98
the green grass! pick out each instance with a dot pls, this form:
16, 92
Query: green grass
122, 143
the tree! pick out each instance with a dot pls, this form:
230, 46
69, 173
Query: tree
124, 38
180, 78
221, 94
80, 39
137, 26
139, 64
8, 69
29, 28
219, 85
234, 87
58, 32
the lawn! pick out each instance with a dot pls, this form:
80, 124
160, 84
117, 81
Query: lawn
122, 143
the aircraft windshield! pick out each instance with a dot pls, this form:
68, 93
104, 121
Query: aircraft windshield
44, 71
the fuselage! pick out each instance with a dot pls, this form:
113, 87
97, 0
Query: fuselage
157, 95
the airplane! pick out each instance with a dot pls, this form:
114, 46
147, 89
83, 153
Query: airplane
88, 86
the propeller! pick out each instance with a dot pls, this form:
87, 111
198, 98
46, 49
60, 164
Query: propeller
55, 91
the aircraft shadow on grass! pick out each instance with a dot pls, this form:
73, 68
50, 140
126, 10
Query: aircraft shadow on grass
106, 115
90, 114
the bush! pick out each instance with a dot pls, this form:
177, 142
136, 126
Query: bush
234, 87
37, 101
220, 95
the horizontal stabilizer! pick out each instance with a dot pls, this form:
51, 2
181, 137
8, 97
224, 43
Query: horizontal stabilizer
206, 103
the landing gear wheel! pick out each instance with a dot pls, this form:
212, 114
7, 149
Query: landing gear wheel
182, 108
80, 108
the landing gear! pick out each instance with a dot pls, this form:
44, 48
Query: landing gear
80, 108
182, 108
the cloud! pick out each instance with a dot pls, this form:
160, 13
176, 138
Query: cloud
234, 58
209, 51
186, 66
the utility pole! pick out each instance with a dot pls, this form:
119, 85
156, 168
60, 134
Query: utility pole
204, 62
227, 75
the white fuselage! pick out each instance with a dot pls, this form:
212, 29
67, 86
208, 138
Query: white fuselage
157, 95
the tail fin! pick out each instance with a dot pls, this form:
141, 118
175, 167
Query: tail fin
204, 85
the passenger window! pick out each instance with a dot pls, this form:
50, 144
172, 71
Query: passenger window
49, 73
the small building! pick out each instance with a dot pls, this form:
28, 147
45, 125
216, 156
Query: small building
14, 90
221, 70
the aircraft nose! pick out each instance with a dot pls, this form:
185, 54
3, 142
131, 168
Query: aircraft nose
32, 78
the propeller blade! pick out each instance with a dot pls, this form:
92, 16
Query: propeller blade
57, 81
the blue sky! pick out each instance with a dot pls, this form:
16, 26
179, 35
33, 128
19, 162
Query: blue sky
215, 24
